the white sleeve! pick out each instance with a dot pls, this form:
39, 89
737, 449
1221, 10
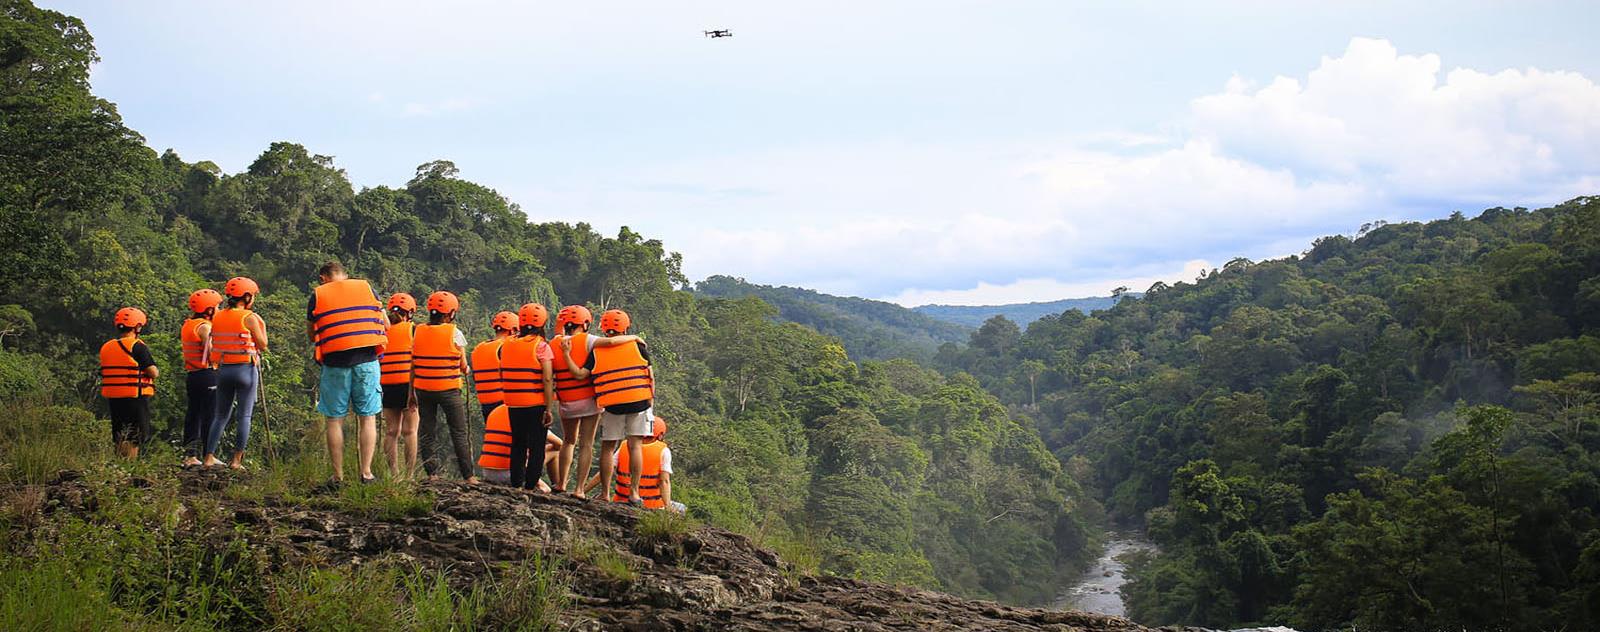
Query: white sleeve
666, 460
588, 341
461, 338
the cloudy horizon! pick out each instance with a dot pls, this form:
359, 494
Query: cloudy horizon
911, 152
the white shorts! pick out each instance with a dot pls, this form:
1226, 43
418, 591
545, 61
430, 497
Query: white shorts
580, 408
619, 427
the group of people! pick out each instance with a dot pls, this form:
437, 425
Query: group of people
375, 358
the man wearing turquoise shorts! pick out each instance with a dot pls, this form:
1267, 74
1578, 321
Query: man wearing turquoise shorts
347, 327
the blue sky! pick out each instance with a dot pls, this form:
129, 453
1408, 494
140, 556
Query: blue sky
962, 152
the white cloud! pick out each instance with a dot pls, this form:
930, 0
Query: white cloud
1376, 116
1031, 290
1371, 134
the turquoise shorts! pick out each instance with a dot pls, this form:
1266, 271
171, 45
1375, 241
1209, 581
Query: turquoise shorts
346, 389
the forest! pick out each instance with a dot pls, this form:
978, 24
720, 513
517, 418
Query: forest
1396, 431
881, 470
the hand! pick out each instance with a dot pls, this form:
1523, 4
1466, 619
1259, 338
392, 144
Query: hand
566, 344
548, 418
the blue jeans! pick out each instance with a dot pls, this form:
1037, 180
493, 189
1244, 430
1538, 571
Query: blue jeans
235, 383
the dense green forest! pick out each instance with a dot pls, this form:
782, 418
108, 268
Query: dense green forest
879, 470
1397, 431
1023, 314
869, 330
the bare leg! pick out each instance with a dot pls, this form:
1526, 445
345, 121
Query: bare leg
553, 447
569, 429
635, 455
408, 434
366, 442
335, 432
585, 440
391, 441
606, 466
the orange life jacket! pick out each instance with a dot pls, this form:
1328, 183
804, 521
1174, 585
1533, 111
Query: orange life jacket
120, 375
569, 388
395, 362
496, 440
621, 375
649, 475
231, 342
486, 371
194, 347
437, 363
348, 317
521, 374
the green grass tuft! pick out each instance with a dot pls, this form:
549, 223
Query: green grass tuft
663, 526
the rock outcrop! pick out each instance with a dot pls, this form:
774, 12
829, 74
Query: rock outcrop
707, 579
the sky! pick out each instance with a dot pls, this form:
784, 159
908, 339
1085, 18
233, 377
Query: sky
918, 152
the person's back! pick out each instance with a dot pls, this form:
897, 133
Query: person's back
654, 471
486, 375
127, 382
200, 373
495, 458
439, 359
348, 331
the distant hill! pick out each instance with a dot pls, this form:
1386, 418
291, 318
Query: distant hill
870, 330
1019, 313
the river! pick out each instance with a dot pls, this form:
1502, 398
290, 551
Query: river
1096, 590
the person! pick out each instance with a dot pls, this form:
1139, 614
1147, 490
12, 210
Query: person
345, 323
398, 400
440, 360
580, 416
200, 379
624, 387
495, 459
529, 386
655, 472
486, 362
127, 380
238, 338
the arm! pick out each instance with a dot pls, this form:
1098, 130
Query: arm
615, 340
580, 372
549, 389
152, 372
258, 331
666, 487
311, 332
204, 331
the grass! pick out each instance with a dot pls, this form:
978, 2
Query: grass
147, 557
611, 563
661, 526
39, 441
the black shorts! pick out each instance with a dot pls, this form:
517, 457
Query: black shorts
396, 396
130, 419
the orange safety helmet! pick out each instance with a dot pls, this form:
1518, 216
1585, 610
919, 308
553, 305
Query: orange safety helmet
614, 320
239, 286
505, 321
575, 314
443, 302
659, 428
533, 315
131, 317
204, 299
404, 302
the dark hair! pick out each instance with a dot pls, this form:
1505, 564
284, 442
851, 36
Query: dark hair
437, 318
122, 329
571, 327
235, 301
529, 330
330, 268
210, 311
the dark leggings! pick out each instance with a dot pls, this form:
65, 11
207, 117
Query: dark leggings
201, 386
236, 384
429, 403
527, 445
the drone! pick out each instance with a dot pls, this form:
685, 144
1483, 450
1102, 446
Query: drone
720, 33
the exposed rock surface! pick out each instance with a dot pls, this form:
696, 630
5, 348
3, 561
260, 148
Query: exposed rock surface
710, 579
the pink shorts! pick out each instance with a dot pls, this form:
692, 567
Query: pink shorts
579, 408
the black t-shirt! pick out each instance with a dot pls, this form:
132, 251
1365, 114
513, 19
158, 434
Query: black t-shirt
631, 407
348, 357
141, 354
